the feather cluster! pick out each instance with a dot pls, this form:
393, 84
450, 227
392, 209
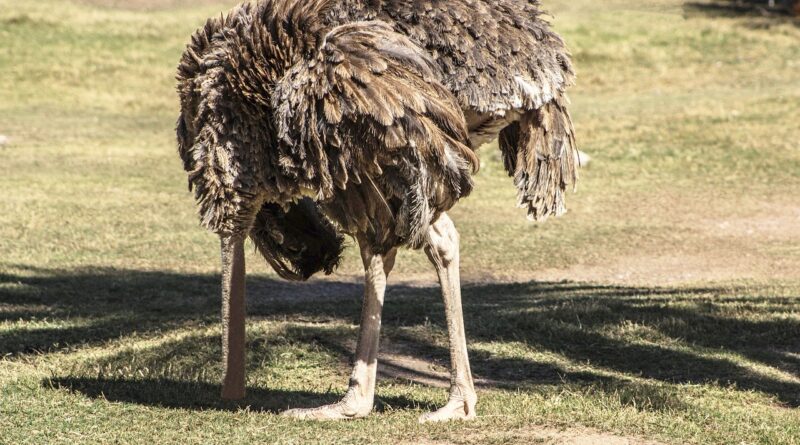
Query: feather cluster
540, 152
280, 110
496, 56
508, 70
305, 119
370, 107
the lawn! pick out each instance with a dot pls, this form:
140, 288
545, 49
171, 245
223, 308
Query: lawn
664, 308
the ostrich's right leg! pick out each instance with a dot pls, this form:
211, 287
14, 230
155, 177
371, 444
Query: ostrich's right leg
358, 401
233, 317
442, 250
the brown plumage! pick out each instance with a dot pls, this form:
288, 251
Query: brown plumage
304, 120
278, 106
357, 105
508, 70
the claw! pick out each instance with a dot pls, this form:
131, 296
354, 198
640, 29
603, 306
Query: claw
454, 410
336, 411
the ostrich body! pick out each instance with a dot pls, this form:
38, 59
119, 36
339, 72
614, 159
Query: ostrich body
303, 121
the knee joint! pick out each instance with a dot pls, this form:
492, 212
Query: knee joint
444, 240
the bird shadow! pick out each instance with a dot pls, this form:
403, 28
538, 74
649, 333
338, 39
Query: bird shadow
675, 335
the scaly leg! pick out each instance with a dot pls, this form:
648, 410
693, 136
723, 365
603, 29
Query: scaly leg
233, 317
358, 401
442, 250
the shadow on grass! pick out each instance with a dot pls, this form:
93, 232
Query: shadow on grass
203, 396
781, 12
672, 335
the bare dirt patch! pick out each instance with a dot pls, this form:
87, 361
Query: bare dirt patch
398, 361
754, 242
552, 436
781, 223
405, 367
583, 437
678, 268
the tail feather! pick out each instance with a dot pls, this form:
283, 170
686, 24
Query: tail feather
540, 153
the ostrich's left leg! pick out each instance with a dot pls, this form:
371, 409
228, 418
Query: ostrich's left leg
233, 317
359, 400
442, 250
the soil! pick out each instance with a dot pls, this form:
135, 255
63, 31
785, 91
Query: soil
720, 249
552, 436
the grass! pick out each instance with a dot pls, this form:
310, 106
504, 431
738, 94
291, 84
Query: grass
679, 323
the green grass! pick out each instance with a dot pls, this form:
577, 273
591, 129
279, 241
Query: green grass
679, 323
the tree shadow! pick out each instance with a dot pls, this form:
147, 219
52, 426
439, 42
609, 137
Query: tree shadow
177, 374
674, 336
677, 335
166, 393
783, 11
73, 309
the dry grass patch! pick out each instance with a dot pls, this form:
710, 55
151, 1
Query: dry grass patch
109, 294
152, 5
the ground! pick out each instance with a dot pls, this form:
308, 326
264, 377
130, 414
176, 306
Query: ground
662, 309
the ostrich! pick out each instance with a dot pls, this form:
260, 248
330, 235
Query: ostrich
306, 120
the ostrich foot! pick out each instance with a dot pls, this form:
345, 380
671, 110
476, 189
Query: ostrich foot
458, 408
347, 409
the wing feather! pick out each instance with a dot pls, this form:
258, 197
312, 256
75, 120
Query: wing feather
376, 94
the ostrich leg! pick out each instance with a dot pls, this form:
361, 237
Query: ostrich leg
358, 401
442, 250
233, 317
